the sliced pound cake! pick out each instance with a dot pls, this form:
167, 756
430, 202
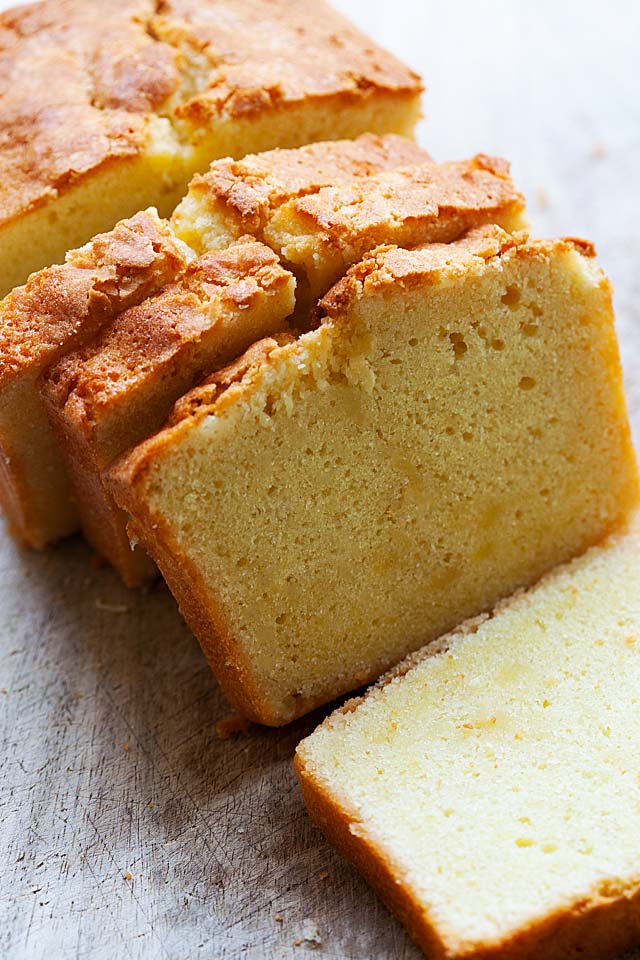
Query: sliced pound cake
56, 310
114, 392
489, 787
62, 307
445, 205
104, 115
449, 202
453, 427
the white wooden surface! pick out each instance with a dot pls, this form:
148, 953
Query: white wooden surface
109, 763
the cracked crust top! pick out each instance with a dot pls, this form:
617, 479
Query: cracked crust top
257, 54
392, 205
389, 265
250, 189
78, 88
210, 288
57, 306
75, 90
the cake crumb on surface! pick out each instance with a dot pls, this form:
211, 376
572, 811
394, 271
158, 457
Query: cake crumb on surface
230, 726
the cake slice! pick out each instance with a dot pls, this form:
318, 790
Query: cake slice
489, 787
57, 309
107, 111
445, 205
119, 388
452, 428
320, 223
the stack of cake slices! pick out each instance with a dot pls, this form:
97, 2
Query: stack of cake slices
344, 402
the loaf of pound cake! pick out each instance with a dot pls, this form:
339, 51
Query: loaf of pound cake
106, 110
488, 788
451, 428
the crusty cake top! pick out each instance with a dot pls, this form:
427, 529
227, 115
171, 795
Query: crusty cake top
215, 285
429, 202
256, 54
79, 82
393, 266
76, 84
57, 306
248, 190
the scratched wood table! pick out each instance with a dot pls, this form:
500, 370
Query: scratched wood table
128, 828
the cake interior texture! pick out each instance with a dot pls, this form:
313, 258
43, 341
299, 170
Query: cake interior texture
490, 790
452, 429
104, 116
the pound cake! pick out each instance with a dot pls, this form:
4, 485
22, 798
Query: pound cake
104, 115
452, 197
57, 309
119, 388
453, 427
489, 788
62, 307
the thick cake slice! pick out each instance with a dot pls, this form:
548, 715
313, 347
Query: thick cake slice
490, 791
454, 427
118, 389
56, 310
105, 112
321, 221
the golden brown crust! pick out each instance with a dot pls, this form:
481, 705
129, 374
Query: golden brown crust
389, 265
266, 54
248, 190
62, 305
595, 928
77, 90
400, 206
140, 338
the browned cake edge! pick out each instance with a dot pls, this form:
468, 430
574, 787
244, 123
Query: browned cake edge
205, 616
594, 928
